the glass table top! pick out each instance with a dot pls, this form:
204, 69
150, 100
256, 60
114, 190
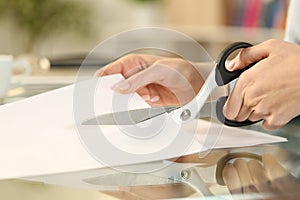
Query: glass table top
258, 172
272, 173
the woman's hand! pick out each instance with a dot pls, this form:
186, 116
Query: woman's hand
159, 80
270, 90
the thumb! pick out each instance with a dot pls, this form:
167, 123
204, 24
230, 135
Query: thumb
248, 56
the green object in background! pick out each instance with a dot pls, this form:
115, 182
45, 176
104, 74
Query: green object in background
145, 0
40, 18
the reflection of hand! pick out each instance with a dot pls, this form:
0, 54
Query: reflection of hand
159, 80
178, 190
270, 90
271, 178
205, 158
152, 192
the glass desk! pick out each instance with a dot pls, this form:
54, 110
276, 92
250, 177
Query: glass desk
283, 161
276, 176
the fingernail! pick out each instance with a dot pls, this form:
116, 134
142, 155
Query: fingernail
230, 65
226, 112
122, 86
154, 99
224, 109
146, 97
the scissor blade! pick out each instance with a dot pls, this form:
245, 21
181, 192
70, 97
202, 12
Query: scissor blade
129, 117
208, 110
132, 117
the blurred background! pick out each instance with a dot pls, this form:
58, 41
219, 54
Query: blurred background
55, 36
72, 28
65, 31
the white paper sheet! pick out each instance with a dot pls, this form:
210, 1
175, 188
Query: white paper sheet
38, 135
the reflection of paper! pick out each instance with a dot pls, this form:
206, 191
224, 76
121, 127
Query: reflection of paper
230, 136
38, 135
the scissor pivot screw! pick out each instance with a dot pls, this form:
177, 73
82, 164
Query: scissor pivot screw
185, 115
185, 174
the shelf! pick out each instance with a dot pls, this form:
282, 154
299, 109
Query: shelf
225, 34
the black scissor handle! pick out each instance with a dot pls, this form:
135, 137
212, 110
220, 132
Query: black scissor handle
219, 110
223, 76
227, 158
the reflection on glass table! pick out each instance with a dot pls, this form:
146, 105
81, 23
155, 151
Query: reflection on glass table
260, 172
36, 85
265, 179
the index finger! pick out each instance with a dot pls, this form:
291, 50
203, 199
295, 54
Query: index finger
128, 65
250, 55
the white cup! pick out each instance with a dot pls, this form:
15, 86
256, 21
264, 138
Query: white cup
7, 64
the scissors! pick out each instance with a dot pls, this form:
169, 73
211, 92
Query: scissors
196, 108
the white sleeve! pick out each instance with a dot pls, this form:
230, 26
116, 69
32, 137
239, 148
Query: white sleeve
292, 32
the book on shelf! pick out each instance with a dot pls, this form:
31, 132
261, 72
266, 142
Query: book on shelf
257, 13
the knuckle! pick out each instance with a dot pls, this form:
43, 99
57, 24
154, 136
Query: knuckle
273, 122
259, 112
249, 100
267, 126
248, 104
245, 81
271, 42
130, 56
165, 67
163, 63
244, 78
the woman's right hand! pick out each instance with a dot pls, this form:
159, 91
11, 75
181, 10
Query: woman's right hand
270, 90
159, 80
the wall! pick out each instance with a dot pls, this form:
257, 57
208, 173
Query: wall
200, 19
